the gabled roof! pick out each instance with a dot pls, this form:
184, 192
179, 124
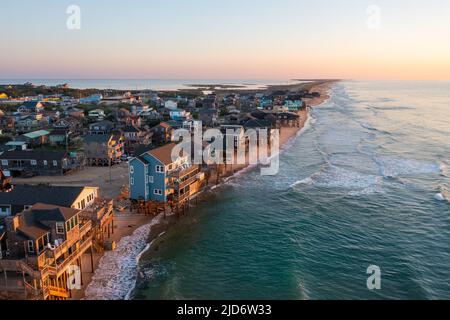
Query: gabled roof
36, 134
58, 132
99, 138
16, 143
163, 154
263, 123
33, 155
104, 123
142, 159
30, 227
164, 125
31, 221
208, 111
46, 212
27, 195
30, 104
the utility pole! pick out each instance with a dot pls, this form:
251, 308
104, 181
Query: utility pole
67, 141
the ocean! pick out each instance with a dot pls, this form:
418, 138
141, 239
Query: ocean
366, 183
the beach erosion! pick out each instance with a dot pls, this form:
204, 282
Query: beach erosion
116, 272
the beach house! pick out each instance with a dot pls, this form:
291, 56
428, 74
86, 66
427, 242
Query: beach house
36, 138
102, 127
162, 133
135, 137
43, 243
23, 197
156, 176
294, 105
43, 163
171, 104
31, 107
97, 114
103, 149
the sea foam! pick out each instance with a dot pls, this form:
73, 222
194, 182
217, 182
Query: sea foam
116, 274
391, 167
335, 177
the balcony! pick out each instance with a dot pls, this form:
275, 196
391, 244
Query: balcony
179, 179
61, 267
99, 212
73, 236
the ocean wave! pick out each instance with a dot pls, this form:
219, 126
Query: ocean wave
116, 274
368, 126
335, 177
391, 167
443, 169
367, 191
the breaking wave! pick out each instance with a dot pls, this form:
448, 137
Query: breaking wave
391, 167
443, 169
116, 274
335, 177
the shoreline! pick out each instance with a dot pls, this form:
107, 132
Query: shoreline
156, 227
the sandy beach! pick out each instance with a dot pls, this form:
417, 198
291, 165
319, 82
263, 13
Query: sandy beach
286, 133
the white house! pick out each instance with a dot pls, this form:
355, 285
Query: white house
171, 104
97, 114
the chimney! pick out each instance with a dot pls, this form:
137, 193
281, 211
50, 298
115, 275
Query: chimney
12, 223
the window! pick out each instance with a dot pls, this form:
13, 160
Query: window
158, 192
60, 228
4, 210
131, 169
72, 223
55, 163
45, 162
132, 181
159, 169
30, 245
4, 162
150, 179
33, 162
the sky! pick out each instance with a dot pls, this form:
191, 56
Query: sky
226, 39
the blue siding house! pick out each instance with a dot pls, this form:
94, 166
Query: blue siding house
147, 178
154, 176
